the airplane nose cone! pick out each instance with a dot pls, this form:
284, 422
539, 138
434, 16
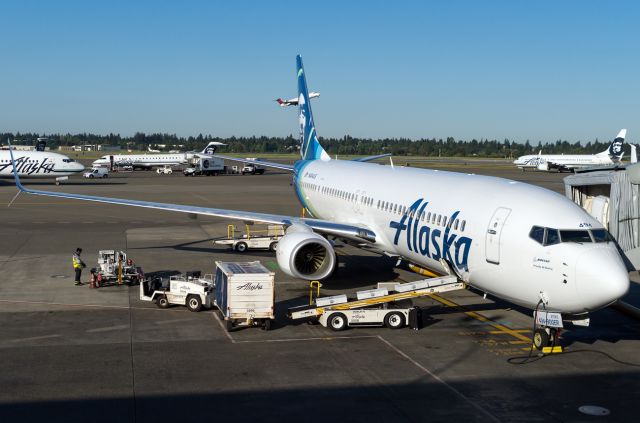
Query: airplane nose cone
602, 277
79, 167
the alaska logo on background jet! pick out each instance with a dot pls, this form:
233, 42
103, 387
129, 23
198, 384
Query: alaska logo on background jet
559, 162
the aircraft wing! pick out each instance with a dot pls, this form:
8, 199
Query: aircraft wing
356, 233
274, 165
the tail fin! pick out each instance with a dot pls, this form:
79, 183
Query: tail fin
616, 149
310, 148
210, 149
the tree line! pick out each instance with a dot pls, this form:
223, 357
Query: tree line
346, 145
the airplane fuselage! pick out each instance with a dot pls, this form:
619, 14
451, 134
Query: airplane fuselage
569, 161
143, 160
442, 219
38, 164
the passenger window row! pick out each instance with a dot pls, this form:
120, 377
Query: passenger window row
389, 207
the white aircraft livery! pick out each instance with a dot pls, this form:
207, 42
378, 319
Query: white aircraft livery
519, 242
294, 101
39, 164
611, 155
148, 161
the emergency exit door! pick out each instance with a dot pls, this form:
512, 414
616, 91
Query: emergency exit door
494, 231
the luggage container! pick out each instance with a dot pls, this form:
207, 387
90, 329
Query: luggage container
245, 294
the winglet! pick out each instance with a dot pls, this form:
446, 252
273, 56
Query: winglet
15, 171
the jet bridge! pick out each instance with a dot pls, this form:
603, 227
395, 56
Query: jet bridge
612, 196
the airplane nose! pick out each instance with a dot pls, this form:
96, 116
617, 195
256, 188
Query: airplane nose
79, 167
602, 277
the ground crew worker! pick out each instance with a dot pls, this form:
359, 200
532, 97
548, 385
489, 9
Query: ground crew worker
78, 265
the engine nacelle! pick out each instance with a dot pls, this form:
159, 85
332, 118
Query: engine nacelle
543, 165
304, 254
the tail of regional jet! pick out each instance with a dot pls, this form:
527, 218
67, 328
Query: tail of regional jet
616, 150
310, 148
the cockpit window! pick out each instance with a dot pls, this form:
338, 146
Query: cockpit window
579, 236
600, 235
552, 237
537, 234
68, 160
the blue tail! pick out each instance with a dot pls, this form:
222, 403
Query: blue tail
310, 148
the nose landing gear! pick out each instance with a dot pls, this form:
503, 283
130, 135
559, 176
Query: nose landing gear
546, 339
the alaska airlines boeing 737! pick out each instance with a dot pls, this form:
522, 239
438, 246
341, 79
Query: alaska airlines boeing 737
519, 242
39, 164
560, 162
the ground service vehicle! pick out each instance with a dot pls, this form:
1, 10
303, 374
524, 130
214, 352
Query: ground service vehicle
97, 172
115, 267
245, 294
262, 238
193, 291
252, 168
210, 166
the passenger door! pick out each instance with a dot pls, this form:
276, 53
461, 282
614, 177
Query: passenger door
492, 240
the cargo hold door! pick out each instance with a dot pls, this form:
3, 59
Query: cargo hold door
492, 240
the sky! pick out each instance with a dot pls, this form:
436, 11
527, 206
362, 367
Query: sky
521, 70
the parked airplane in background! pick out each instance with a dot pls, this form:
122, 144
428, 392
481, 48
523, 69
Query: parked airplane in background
519, 242
148, 161
151, 150
294, 101
39, 164
561, 162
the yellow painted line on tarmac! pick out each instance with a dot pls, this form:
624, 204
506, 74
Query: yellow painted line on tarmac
481, 318
498, 332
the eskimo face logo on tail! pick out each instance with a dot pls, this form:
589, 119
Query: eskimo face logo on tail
432, 242
615, 149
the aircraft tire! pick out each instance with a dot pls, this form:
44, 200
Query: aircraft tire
540, 338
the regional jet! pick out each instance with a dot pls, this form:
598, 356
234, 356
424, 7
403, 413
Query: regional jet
560, 162
519, 242
39, 164
148, 161
294, 101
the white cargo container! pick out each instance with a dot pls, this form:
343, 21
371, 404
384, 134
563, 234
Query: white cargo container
245, 294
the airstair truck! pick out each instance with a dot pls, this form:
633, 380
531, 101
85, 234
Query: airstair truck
245, 294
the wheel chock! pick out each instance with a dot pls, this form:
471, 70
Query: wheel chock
552, 350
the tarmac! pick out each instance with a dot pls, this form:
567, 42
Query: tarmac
78, 354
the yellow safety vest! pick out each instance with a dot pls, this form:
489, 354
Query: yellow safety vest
77, 263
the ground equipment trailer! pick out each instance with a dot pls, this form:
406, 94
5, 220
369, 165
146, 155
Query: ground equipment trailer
374, 307
193, 291
252, 239
114, 267
210, 166
245, 294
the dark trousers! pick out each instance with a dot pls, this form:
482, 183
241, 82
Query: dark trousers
78, 273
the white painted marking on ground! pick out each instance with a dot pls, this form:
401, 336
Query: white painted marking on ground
108, 328
438, 379
34, 338
91, 305
165, 322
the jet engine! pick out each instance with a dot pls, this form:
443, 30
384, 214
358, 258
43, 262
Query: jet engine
543, 165
304, 254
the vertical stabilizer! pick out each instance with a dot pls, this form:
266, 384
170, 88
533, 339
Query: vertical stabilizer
616, 149
310, 148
